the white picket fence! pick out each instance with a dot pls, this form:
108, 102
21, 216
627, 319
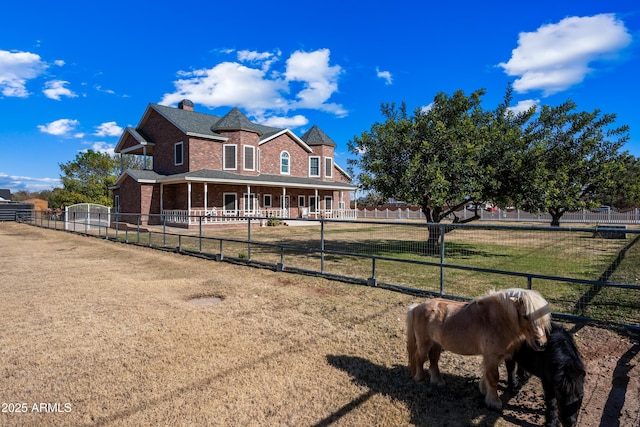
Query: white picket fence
605, 216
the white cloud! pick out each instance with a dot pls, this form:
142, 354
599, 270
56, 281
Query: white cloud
108, 129
101, 89
226, 84
285, 122
320, 80
264, 89
264, 58
103, 147
59, 62
385, 75
17, 183
426, 108
54, 89
61, 127
524, 105
15, 69
558, 56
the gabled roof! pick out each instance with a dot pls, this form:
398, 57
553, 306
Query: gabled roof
5, 194
141, 141
189, 122
208, 126
315, 136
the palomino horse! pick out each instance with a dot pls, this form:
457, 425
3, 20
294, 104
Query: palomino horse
494, 325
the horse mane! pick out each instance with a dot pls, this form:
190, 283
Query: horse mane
535, 306
570, 370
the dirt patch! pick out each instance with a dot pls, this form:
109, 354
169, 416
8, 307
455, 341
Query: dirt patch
99, 333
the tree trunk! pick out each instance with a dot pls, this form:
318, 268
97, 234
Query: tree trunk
433, 241
556, 214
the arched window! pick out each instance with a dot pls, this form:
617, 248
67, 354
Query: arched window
284, 163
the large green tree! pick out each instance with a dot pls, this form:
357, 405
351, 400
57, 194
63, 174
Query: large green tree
626, 192
435, 158
570, 160
86, 179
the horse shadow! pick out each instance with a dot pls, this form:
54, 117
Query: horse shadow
427, 404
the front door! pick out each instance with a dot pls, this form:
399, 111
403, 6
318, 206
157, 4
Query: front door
230, 203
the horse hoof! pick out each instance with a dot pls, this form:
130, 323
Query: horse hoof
494, 406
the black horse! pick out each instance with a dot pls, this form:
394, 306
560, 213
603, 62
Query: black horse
561, 370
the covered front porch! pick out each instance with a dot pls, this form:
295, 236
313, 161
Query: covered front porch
204, 203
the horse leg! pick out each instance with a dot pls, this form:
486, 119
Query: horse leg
551, 403
420, 357
434, 370
489, 383
511, 374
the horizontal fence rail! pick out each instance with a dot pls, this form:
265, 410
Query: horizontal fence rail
585, 272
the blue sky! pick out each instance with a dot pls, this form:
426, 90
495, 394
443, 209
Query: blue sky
74, 74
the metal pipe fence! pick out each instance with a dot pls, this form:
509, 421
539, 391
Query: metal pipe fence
585, 272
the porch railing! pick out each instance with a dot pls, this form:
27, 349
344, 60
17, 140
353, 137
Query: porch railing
221, 216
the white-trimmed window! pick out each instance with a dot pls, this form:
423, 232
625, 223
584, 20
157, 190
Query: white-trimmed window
249, 158
301, 203
266, 200
178, 153
230, 156
328, 167
314, 167
258, 160
284, 163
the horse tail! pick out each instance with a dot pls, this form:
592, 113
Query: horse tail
411, 340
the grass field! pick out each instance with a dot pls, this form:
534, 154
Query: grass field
566, 253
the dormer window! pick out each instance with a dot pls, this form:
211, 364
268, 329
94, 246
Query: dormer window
230, 157
284, 163
178, 153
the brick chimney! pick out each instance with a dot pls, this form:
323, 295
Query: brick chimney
185, 104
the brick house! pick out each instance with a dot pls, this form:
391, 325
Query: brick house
223, 168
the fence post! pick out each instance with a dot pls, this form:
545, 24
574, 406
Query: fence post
322, 245
442, 232
200, 237
372, 281
248, 238
280, 265
164, 230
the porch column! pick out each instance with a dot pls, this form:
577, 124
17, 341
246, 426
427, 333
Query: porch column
248, 200
189, 202
206, 196
282, 206
317, 203
161, 197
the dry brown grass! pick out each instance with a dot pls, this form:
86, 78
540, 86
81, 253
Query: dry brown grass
107, 328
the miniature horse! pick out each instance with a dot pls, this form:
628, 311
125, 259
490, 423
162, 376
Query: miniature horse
562, 373
494, 325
